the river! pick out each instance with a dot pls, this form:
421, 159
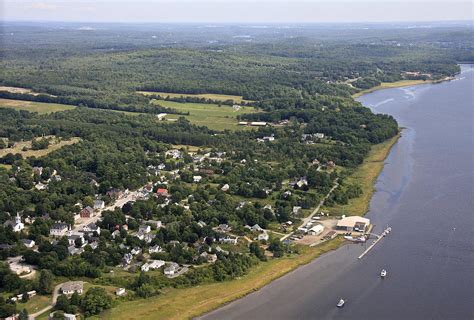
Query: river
425, 193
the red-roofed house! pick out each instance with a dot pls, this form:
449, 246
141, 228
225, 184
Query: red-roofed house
162, 192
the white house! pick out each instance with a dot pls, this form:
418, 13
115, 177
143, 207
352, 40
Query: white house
171, 269
144, 228
72, 286
28, 243
263, 236
59, 229
99, 204
155, 249
197, 179
225, 187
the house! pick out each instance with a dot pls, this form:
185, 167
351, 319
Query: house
16, 225
73, 250
296, 210
316, 230
202, 224
263, 236
145, 267
256, 228
58, 229
155, 249
31, 293
197, 179
315, 162
173, 153
330, 235
114, 193
162, 193
302, 183
155, 264
72, 239
223, 228
28, 243
37, 170
144, 228
66, 316
209, 257
120, 292
154, 223
228, 239
353, 223
94, 245
41, 186
225, 187
127, 258
148, 238
219, 249
171, 269
331, 164
258, 124
72, 286
99, 204
91, 228
115, 234
136, 251
87, 212
161, 166
161, 116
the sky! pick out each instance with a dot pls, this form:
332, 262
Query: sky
244, 11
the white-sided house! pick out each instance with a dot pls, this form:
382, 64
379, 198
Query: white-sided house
59, 229
225, 187
90, 228
72, 286
171, 269
257, 228
144, 228
16, 224
229, 239
263, 236
197, 179
99, 204
155, 249
28, 243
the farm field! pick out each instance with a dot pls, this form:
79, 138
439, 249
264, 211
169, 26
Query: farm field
19, 146
209, 115
212, 96
32, 106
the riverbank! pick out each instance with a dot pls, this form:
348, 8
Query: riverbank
398, 84
191, 302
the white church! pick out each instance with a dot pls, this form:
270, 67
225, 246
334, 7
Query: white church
17, 225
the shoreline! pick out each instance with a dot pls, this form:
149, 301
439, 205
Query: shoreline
399, 84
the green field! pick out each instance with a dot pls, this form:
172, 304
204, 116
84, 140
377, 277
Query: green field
32, 106
217, 97
209, 115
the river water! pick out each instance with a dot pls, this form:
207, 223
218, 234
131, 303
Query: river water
425, 193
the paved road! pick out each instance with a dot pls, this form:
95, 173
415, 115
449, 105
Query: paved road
315, 211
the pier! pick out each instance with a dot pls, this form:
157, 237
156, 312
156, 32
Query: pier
379, 237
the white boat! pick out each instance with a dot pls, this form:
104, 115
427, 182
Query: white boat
341, 303
383, 273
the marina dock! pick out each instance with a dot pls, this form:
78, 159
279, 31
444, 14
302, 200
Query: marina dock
379, 237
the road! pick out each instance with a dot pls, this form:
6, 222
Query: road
117, 204
55, 298
315, 211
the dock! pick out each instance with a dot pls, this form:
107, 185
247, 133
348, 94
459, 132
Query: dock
379, 237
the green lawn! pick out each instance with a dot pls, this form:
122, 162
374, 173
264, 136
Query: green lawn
217, 97
209, 115
35, 304
40, 107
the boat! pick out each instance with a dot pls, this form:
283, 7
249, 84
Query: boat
355, 239
383, 273
341, 303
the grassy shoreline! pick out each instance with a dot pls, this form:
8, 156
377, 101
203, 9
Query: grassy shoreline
396, 84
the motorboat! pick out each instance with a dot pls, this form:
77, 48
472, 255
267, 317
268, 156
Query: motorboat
383, 273
341, 303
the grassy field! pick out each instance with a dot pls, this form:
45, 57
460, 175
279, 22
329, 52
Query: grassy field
209, 115
191, 302
217, 97
54, 145
365, 175
396, 84
35, 304
40, 107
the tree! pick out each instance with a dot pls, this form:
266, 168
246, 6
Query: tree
95, 301
45, 284
23, 315
257, 251
62, 303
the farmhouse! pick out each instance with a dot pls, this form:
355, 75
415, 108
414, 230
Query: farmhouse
72, 286
353, 223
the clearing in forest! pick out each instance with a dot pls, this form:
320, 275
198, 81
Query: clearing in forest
33, 106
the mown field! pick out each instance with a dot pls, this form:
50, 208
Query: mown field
23, 148
209, 115
191, 302
40, 107
212, 96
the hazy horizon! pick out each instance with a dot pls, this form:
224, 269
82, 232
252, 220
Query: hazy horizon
242, 11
